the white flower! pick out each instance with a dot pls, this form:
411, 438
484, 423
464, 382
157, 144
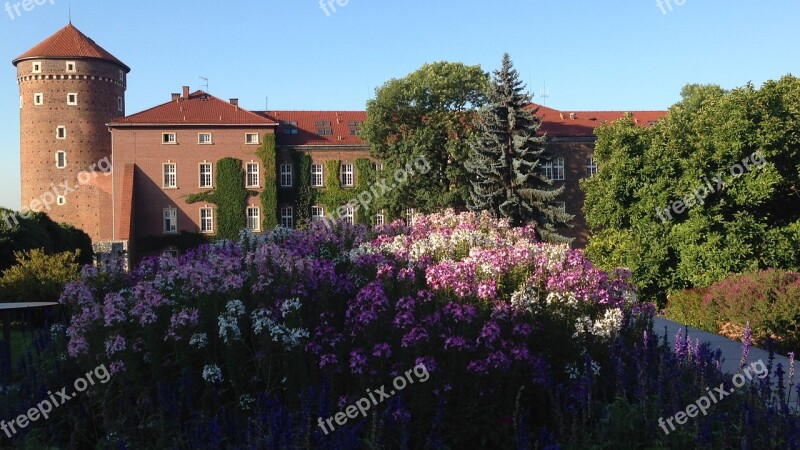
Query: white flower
583, 325
229, 329
199, 340
212, 373
609, 325
573, 372
235, 308
525, 297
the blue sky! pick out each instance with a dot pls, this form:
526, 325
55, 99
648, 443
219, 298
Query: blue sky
593, 55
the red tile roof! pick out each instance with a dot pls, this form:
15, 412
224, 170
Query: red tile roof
310, 123
69, 42
582, 123
199, 108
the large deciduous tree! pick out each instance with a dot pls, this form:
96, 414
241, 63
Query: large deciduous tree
506, 158
712, 189
426, 114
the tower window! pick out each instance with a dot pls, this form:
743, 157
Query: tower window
70, 66
36, 67
38, 99
72, 99
119, 103
168, 138
61, 132
61, 159
61, 200
121, 75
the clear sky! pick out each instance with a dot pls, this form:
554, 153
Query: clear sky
592, 55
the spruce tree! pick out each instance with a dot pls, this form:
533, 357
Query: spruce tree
506, 159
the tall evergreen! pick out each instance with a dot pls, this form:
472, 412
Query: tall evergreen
506, 159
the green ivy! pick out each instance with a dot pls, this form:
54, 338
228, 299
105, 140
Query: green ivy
334, 195
269, 195
230, 196
306, 196
365, 179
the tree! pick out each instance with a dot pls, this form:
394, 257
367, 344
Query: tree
506, 159
712, 189
29, 230
426, 115
38, 276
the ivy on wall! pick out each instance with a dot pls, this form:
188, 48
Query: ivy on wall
306, 196
365, 179
230, 196
334, 195
269, 195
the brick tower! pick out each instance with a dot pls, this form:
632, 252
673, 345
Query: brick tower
70, 88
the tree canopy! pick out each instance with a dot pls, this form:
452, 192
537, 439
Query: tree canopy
426, 114
711, 189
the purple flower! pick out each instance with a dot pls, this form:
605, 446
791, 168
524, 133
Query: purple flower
115, 344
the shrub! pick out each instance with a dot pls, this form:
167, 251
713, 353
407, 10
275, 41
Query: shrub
38, 277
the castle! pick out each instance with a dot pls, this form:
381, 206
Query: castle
125, 179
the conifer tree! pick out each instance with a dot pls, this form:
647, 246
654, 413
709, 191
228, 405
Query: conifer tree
506, 159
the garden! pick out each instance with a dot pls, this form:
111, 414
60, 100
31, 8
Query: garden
297, 339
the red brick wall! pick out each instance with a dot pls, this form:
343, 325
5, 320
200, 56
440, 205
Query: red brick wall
98, 86
144, 148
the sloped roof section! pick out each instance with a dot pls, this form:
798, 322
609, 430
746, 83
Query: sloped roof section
69, 42
317, 127
199, 108
582, 123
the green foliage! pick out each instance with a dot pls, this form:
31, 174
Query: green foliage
427, 114
269, 193
686, 307
306, 195
748, 222
365, 179
506, 158
20, 232
230, 196
39, 277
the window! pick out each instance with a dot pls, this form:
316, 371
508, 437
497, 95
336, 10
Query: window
252, 175
346, 175
380, 218
355, 127
591, 167
38, 99
61, 132
61, 159
253, 218
206, 220
316, 175
251, 138
354, 131
121, 75
204, 138
70, 66
317, 213
36, 67
377, 166
170, 175
323, 123
21, 101
61, 200
290, 127
170, 220
349, 214
171, 253
286, 175
206, 172
119, 103
72, 99
169, 138
409, 216
325, 131
554, 170
287, 217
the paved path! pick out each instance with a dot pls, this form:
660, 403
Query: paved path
731, 350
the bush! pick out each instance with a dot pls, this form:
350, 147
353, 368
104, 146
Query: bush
37, 230
769, 300
39, 277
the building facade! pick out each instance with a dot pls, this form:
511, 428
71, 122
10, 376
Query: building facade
165, 159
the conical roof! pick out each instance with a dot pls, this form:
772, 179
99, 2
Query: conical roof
66, 43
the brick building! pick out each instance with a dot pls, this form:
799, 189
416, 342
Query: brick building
165, 154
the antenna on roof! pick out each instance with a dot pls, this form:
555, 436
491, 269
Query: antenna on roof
70, 13
545, 94
206, 85
266, 104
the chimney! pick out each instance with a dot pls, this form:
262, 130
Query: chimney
176, 96
573, 116
235, 101
186, 92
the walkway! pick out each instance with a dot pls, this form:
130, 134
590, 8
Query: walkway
731, 350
